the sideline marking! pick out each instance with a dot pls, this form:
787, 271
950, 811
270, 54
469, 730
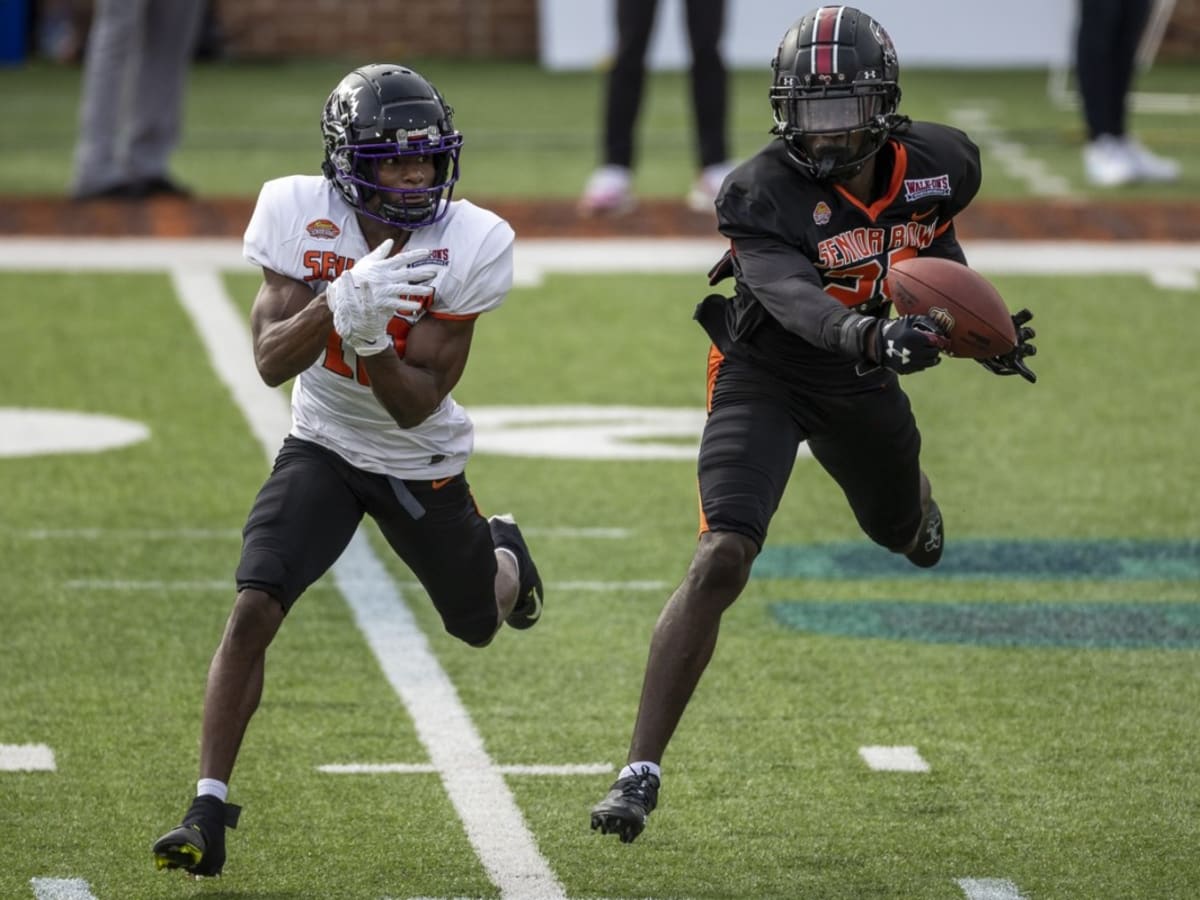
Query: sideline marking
61, 889
493, 823
26, 758
536, 258
989, 889
893, 759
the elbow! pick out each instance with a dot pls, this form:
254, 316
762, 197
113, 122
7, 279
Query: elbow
272, 376
409, 420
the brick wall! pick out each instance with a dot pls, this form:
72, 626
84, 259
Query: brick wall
409, 29
1182, 38
383, 29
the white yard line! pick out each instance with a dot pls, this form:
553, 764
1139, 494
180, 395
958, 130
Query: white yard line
535, 258
989, 889
26, 758
893, 759
61, 889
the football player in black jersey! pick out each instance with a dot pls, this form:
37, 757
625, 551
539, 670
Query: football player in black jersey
805, 349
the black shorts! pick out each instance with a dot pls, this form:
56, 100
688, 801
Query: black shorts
867, 441
311, 504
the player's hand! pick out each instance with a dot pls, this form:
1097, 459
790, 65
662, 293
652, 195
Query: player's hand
1013, 362
909, 344
366, 297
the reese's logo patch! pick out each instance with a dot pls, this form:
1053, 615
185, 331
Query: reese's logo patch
323, 228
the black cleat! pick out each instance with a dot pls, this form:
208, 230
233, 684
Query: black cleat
930, 538
626, 807
528, 608
198, 845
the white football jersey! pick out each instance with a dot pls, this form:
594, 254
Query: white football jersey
302, 228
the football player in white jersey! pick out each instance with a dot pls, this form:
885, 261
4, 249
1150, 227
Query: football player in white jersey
373, 278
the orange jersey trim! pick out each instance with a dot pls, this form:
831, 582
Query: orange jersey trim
893, 191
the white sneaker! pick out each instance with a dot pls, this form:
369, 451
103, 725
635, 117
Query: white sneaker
706, 187
609, 192
1150, 166
1108, 162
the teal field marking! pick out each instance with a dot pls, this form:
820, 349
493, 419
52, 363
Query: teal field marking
1174, 626
1031, 559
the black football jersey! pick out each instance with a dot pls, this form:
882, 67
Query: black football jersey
808, 255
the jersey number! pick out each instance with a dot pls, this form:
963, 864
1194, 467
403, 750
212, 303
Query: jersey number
335, 351
859, 284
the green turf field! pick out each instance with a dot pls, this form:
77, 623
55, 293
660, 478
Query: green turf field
533, 133
1046, 678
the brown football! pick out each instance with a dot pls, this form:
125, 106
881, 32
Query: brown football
966, 305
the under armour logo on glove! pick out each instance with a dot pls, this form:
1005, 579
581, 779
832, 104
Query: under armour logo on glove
909, 344
903, 353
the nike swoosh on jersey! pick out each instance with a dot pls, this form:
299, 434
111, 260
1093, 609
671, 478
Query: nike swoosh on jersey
441, 483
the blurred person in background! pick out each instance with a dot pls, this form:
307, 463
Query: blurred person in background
1105, 60
131, 108
609, 190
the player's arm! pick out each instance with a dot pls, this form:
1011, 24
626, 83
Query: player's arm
290, 325
411, 387
786, 283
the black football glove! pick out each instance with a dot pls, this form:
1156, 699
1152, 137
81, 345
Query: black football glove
909, 344
1013, 362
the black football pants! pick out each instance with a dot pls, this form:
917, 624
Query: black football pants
635, 22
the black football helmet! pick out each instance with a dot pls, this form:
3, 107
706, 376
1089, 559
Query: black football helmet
835, 76
382, 111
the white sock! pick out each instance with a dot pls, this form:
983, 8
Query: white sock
641, 768
212, 788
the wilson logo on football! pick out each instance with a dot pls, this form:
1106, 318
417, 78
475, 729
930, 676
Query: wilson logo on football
942, 318
323, 229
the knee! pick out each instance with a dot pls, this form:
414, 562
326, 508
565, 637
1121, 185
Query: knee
721, 566
255, 619
475, 631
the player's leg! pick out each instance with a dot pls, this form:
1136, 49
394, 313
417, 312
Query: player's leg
872, 449
478, 572
301, 521
746, 456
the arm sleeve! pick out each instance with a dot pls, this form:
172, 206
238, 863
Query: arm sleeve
483, 284
259, 243
787, 285
783, 280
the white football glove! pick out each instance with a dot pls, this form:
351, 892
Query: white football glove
364, 298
